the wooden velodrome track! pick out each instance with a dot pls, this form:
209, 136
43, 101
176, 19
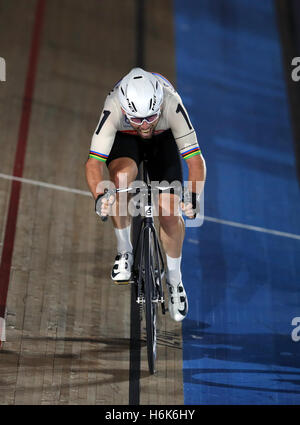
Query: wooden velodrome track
68, 326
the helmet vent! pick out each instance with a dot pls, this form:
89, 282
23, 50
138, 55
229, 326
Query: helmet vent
122, 91
133, 105
150, 103
136, 78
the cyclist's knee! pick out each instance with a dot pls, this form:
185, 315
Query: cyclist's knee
121, 178
169, 206
169, 221
122, 172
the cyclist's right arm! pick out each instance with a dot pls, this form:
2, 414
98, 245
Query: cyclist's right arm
102, 142
94, 175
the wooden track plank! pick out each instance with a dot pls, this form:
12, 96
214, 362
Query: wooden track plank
68, 325
159, 38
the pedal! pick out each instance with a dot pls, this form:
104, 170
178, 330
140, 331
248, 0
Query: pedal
121, 282
124, 282
140, 300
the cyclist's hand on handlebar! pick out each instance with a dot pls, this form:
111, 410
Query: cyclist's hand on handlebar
103, 204
188, 210
190, 205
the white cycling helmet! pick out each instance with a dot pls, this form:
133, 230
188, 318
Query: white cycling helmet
140, 93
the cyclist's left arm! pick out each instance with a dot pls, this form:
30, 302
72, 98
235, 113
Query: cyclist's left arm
187, 143
186, 138
197, 173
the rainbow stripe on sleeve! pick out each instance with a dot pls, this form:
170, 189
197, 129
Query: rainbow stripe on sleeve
191, 152
99, 156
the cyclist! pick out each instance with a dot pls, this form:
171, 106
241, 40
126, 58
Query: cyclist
144, 115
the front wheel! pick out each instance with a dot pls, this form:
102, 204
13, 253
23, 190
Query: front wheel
150, 303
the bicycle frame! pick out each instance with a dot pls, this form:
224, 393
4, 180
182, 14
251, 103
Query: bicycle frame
147, 224
147, 273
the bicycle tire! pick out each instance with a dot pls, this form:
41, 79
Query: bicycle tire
150, 305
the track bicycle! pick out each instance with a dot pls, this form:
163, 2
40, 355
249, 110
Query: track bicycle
148, 266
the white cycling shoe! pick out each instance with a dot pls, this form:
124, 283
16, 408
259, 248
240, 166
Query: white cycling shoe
121, 271
178, 303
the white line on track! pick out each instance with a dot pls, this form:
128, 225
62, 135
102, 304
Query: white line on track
211, 219
47, 185
254, 228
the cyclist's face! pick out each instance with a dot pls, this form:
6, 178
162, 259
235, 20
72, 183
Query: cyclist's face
146, 129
